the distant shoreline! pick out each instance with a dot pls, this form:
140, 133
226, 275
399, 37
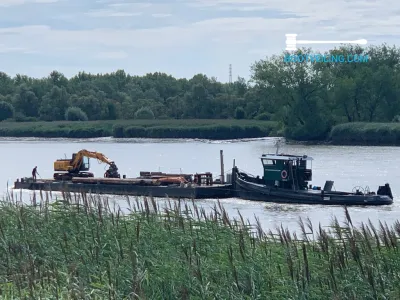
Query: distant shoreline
155, 129
348, 134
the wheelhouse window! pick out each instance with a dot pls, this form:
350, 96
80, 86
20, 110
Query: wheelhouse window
268, 162
305, 164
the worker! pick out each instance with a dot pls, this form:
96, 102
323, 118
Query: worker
34, 172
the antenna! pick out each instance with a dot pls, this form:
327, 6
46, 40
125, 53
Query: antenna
230, 73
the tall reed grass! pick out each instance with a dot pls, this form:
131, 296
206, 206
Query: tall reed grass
186, 128
357, 133
81, 247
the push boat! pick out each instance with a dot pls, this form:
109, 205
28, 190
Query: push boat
286, 179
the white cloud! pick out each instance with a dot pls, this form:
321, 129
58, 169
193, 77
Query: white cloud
31, 29
161, 15
227, 28
132, 5
8, 3
338, 10
243, 8
5, 49
112, 55
120, 10
101, 13
267, 33
46, 1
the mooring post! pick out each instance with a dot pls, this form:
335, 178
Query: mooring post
221, 154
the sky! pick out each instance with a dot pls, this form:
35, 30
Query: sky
182, 37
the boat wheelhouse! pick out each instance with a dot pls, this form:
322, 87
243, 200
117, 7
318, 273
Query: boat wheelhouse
287, 171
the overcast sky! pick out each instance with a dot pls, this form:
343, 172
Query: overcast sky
181, 37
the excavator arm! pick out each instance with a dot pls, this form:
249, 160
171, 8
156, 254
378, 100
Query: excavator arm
76, 163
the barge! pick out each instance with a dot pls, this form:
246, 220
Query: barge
131, 186
72, 176
286, 180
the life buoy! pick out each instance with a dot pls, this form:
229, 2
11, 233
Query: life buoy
284, 174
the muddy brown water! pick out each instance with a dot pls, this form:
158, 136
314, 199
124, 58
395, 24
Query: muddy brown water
348, 166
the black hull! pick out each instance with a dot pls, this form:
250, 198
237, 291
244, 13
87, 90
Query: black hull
193, 192
259, 192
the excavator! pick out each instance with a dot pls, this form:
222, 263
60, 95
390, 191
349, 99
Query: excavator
79, 164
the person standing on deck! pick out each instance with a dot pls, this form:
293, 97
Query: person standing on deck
34, 172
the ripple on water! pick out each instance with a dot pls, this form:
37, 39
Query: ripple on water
347, 166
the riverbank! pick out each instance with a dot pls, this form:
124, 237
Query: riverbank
79, 246
359, 134
196, 129
366, 134
369, 134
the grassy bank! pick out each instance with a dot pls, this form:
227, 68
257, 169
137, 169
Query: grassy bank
343, 134
202, 129
366, 134
79, 247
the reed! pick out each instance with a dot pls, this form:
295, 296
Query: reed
358, 133
80, 246
186, 128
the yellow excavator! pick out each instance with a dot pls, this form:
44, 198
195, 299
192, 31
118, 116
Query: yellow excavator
79, 164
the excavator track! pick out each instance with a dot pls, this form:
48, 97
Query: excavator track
68, 176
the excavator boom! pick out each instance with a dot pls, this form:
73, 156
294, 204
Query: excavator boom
78, 160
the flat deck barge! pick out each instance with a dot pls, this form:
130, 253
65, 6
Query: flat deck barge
127, 187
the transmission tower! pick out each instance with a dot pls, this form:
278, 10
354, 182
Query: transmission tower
230, 74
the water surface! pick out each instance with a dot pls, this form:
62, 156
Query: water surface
347, 166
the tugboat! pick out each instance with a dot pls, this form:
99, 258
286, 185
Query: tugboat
286, 180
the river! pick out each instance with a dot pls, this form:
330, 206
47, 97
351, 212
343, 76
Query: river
348, 166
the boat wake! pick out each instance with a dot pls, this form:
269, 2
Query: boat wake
274, 207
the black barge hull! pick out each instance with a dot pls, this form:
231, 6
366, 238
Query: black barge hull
190, 192
259, 192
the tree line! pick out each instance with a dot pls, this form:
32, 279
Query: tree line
307, 98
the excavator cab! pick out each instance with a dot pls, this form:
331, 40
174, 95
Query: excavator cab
85, 166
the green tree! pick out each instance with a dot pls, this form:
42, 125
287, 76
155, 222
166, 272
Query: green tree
300, 89
239, 113
6, 84
75, 114
198, 101
26, 102
6, 111
93, 103
144, 113
54, 104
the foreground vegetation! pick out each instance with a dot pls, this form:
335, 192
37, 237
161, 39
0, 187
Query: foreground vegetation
201, 129
79, 248
307, 99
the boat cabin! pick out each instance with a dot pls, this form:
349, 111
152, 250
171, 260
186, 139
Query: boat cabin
287, 171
